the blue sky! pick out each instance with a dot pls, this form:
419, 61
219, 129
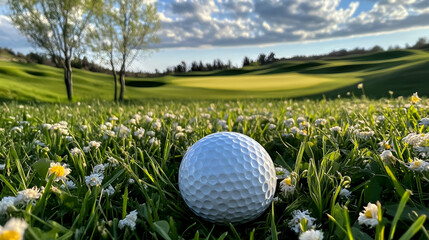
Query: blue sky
205, 30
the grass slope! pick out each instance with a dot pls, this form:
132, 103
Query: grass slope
401, 71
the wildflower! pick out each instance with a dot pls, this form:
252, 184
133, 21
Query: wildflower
345, 193
298, 215
109, 191
86, 149
76, 152
14, 229
424, 122
156, 125
94, 144
69, 138
281, 173
59, 170
391, 92
132, 121
154, 141
179, 135
369, 216
113, 161
99, 168
415, 98
287, 186
122, 131
289, 122
320, 122
5, 203
113, 118
387, 156
150, 133
360, 86
131, 181
95, 179
28, 195
418, 165
335, 129
129, 220
300, 120
70, 185
240, 118
109, 134
272, 126
311, 235
139, 133
2, 166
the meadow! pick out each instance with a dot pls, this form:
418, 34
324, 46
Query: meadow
397, 71
347, 168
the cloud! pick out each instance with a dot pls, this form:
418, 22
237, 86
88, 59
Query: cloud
196, 23
201, 23
10, 36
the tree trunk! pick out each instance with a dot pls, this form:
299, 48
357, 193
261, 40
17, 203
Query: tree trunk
122, 80
68, 79
116, 86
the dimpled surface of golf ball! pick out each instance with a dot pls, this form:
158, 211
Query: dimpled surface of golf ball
227, 177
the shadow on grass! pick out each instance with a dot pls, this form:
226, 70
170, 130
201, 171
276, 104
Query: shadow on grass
144, 84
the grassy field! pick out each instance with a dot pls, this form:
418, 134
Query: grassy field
398, 71
100, 170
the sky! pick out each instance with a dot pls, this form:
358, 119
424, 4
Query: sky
194, 30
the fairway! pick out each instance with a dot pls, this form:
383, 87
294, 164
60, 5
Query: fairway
380, 73
271, 82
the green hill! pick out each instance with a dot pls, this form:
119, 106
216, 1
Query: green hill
401, 71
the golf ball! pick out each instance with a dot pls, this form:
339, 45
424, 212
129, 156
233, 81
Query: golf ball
227, 177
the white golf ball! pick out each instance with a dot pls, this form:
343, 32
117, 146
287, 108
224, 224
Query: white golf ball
227, 177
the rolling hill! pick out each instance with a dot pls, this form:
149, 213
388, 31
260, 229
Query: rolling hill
401, 71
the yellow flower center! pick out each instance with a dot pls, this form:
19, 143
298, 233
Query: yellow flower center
368, 214
304, 131
417, 164
288, 181
10, 235
387, 146
415, 99
57, 170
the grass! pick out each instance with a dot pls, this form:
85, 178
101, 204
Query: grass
380, 73
335, 153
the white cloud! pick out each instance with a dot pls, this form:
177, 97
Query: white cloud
239, 22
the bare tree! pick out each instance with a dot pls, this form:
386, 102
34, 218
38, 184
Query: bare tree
125, 28
57, 26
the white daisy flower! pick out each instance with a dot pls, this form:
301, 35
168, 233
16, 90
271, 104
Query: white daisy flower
311, 235
95, 179
14, 229
59, 170
28, 195
369, 216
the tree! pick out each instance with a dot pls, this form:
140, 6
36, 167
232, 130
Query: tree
131, 26
57, 26
103, 40
246, 61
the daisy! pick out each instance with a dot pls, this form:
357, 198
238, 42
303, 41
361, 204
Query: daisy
59, 170
311, 235
13, 229
418, 165
415, 98
369, 216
